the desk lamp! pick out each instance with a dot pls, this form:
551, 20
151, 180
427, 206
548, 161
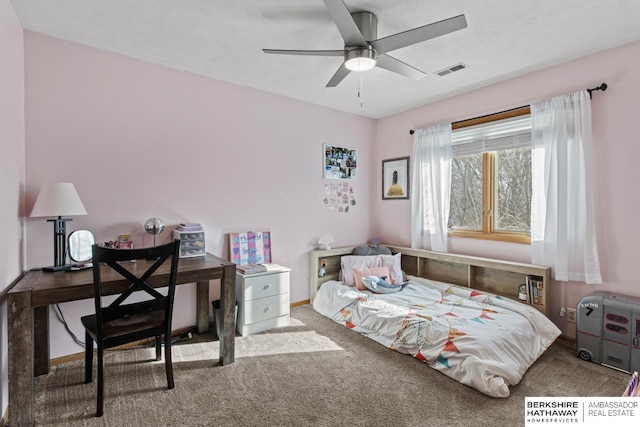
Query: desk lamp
58, 199
154, 226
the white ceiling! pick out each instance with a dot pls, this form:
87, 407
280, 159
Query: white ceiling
223, 39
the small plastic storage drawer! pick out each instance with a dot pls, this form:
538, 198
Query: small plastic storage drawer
192, 244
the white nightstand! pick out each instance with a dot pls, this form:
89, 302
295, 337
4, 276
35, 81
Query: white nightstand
263, 300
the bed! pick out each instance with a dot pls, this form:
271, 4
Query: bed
458, 314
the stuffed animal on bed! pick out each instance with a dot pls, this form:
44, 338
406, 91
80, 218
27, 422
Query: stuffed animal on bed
380, 285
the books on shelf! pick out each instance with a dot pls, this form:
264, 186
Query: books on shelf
251, 268
535, 290
257, 268
194, 226
270, 266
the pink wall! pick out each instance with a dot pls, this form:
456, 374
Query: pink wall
141, 140
615, 154
12, 172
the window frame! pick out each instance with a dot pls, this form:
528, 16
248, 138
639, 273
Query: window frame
488, 186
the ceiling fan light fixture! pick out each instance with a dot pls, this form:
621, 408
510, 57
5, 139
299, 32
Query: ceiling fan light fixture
363, 50
360, 59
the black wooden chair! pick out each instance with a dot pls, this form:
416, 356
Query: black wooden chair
119, 322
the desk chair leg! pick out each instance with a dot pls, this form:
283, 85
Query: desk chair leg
88, 358
100, 400
167, 360
158, 347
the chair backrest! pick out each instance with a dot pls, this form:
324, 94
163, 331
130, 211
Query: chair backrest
163, 260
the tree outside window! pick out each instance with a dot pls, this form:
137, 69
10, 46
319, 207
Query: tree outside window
491, 179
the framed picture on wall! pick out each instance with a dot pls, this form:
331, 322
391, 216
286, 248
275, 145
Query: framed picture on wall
250, 247
395, 178
339, 162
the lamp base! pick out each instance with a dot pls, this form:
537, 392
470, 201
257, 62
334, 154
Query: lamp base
54, 268
59, 245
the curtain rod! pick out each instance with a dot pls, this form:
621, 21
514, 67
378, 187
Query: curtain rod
602, 87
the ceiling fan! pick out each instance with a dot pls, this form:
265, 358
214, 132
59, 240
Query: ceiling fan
362, 51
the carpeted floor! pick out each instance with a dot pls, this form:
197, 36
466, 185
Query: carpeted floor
312, 373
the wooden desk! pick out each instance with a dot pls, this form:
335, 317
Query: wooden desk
28, 315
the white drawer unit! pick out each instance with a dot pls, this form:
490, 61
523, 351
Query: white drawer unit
263, 300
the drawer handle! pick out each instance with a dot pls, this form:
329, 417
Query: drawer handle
267, 286
268, 308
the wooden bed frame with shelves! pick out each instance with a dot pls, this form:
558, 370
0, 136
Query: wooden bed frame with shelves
484, 274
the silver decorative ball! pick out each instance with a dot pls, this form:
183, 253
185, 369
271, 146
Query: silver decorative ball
154, 226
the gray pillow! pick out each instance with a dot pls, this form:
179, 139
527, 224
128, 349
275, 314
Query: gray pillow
366, 250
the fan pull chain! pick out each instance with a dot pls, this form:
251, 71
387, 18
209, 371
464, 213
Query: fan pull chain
360, 89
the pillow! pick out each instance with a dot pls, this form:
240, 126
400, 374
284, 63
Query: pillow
359, 273
349, 262
371, 250
395, 269
380, 286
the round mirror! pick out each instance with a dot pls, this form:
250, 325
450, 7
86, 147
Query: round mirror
79, 245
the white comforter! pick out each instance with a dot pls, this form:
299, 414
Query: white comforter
479, 339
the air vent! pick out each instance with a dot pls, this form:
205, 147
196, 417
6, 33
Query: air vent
452, 69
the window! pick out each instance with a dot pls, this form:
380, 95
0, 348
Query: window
491, 177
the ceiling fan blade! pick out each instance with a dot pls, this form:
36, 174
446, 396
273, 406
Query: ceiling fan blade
345, 23
338, 76
392, 64
305, 52
420, 34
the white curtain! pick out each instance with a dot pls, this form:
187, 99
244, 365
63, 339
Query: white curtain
430, 187
562, 214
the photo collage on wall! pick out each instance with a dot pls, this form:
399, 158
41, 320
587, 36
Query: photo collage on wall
339, 163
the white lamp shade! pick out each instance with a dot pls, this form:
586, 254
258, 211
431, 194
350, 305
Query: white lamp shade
360, 59
58, 199
360, 64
